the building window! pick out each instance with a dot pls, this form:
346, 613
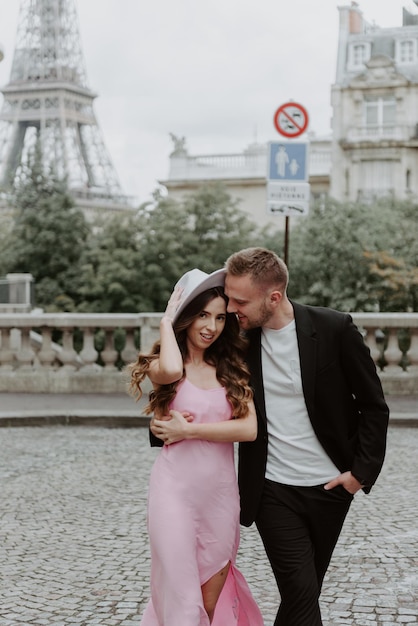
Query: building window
406, 51
376, 179
380, 113
359, 54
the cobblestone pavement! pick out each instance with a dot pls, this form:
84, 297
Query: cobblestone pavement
73, 540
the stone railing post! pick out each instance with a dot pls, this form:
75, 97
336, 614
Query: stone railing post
89, 353
109, 354
149, 331
6, 353
413, 352
371, 341
129, 352
25, 355
68, 355
392, 354
46, 354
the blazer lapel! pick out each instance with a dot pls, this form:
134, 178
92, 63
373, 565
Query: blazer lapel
254, 363
307, 342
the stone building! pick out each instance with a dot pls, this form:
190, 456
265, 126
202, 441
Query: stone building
373, 149
375, 109
243, 174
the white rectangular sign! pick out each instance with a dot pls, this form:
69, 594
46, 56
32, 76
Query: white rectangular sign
288, 198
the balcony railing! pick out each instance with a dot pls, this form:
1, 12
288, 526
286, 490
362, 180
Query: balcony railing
218, 166
87, 352
242, 165
380, 132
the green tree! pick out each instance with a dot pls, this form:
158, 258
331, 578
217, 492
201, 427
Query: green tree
201, 231
48, 236
133, 263
392, 283
337, 256
6, 228
218, 227
164, 235
326, 257
109, 274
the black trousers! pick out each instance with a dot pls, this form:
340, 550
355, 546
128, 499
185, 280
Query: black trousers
299, 527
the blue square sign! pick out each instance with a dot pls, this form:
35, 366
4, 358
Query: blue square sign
288, 161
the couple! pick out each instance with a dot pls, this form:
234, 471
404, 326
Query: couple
318, 438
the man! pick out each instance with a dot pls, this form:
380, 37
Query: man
322, 422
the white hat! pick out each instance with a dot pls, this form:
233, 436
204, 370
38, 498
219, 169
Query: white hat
196, 282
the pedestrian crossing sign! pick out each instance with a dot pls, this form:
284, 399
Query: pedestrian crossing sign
288, 161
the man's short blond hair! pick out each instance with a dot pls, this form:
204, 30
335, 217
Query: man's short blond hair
265, 268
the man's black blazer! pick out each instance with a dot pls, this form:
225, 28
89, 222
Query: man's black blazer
343, 396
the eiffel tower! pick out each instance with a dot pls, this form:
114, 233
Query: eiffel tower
48, 98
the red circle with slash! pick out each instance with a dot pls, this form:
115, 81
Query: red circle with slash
291, 119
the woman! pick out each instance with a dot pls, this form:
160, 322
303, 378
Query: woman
200, 383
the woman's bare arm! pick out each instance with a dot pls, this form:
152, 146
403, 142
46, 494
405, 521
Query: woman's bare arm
169, 366
178, 428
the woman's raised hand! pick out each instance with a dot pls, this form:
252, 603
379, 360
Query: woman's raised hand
173, 303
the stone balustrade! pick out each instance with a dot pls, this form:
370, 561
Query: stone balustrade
71, 352
393, 342
251, 163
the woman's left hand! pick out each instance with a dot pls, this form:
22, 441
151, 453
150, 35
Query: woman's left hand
174, 303
173, 429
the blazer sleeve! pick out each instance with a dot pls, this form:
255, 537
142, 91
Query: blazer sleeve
154, 441
373, 412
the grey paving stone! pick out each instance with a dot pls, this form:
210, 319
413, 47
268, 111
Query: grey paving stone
74, 546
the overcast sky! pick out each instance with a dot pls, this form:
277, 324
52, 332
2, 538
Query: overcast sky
212, 71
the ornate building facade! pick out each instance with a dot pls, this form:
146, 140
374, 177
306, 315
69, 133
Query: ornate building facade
375, 109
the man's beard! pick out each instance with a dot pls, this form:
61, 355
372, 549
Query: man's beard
264, 314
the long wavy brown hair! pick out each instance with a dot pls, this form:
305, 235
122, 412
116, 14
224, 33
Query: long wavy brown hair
226, 354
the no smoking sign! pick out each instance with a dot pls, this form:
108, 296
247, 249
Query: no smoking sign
291, 119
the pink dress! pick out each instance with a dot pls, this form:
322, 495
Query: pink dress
193, 523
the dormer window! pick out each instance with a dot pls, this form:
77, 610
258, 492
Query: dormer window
358, 55
406, 51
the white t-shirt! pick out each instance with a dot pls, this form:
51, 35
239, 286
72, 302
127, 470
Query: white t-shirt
295, 455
